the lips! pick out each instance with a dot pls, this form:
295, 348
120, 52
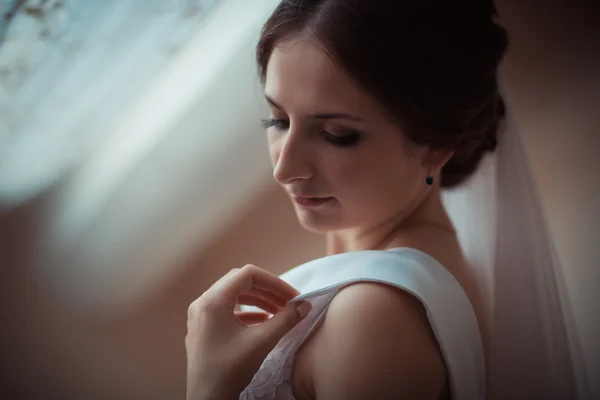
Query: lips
312, 201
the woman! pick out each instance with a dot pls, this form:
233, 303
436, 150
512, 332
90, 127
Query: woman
376, 105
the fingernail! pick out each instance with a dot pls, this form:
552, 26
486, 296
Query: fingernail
303, 308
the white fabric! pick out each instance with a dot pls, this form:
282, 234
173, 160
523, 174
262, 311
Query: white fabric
502, 231
534, 348
448, 309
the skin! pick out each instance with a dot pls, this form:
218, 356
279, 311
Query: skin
379, 200
225, 347
378, 185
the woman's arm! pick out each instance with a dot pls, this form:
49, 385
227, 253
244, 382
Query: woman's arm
375, 342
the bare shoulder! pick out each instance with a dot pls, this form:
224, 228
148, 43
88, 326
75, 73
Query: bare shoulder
375, 342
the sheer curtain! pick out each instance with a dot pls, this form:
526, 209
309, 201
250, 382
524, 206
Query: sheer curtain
71, 70
155, 135
535, 353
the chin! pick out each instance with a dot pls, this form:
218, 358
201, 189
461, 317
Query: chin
318, 223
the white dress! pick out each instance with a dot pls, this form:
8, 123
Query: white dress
448, 309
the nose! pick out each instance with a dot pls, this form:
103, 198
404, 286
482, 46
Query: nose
292, 159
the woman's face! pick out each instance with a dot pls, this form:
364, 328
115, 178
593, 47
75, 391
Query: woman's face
345, 163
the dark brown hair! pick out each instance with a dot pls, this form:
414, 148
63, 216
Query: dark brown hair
431, 63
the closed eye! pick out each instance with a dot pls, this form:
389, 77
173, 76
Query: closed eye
347, 140
350, 139
281, 124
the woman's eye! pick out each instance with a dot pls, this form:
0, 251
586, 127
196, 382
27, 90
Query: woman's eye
341, 140
280, 124
347, 140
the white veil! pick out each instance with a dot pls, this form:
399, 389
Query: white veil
534, 350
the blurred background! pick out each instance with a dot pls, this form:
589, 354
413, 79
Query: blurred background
134, 173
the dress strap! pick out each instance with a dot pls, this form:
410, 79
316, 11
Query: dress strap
448, 308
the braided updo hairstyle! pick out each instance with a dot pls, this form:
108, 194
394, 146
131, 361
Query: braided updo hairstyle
431, 63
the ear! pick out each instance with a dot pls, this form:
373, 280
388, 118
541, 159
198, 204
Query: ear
435, 159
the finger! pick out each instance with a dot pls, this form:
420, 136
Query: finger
222, 281
270, 332
249, 277
273, 298
257, 301
251, 318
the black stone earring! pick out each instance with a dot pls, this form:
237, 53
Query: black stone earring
429, 180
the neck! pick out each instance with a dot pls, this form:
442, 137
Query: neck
393, 232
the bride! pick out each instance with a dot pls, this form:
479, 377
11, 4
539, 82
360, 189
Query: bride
383, 114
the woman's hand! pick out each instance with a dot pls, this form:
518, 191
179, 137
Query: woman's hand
225, 347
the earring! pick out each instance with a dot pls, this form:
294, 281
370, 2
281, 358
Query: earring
429, 180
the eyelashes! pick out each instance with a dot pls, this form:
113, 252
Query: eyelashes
280, 124
349, 139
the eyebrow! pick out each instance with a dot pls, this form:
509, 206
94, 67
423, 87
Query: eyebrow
318, 116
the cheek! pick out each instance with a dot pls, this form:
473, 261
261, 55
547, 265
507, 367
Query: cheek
354, 178
380, 184
399, 185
